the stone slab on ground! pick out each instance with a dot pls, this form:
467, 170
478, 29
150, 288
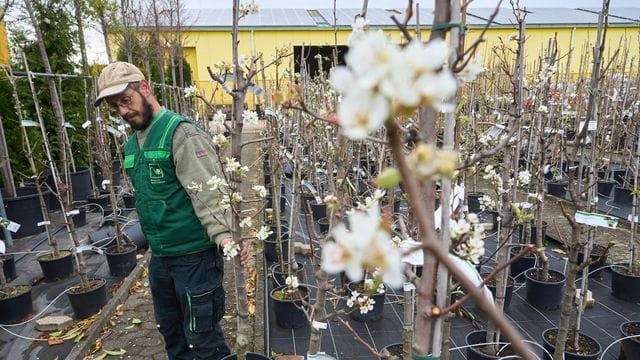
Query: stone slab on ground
53, 323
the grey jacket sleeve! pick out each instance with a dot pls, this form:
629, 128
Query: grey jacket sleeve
196, 162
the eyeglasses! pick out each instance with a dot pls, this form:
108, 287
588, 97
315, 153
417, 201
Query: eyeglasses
122, 102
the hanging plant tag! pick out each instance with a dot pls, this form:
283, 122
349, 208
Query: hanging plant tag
319, 325
28, 123
113, 131
594, 219
70, 126
84, 247
43, 223
408, 286
86, 124
2, 247
9, 225
635, 220
73, 212
105, 183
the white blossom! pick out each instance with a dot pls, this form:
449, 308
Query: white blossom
250, 117
263, 233
232, 165
216, 183
235, 197
195, 187
218, 118
190, 92
230, 250
524, 178
220, 140
366, 246
260, 190
472, 70
249, 7
292, 282
246, 222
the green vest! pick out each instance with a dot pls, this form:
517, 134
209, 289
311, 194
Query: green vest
164, 207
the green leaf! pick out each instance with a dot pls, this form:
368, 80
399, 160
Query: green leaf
101, 356
136, 321
116, 352
55, 333
129, 327
388, 178
79, 337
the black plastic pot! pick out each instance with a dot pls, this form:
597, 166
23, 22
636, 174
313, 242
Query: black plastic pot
318, 211
81, 184
16, 308
323, 225
88, 302
393, 349
279, 277
129, 201
534, 232
569, 355
287, 312
80, 219
269, 205
25, 210
558, 189
378, 306
479, 337
600, 262
629, 348
508, 293
9, 267
115, 176
103, 201
121, 264
544, 295
605, 187
56, 269
473, 201
521, 265
271, 248
625, 286
618, 176
622, 196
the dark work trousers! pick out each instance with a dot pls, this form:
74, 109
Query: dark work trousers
188, 300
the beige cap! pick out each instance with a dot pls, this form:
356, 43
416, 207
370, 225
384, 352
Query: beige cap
115, 78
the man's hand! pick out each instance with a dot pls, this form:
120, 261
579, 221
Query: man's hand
245, 253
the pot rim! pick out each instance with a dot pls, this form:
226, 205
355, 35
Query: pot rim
580, 333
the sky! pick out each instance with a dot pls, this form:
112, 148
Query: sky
96, 51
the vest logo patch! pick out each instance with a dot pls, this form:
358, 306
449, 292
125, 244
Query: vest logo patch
156, 174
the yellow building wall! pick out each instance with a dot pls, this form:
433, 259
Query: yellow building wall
5, 56
211, 47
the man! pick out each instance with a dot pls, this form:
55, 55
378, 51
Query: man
166, 153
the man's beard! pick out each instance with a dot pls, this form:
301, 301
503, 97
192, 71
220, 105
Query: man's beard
147, 115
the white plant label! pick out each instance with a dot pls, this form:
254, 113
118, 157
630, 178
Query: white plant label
635, 220
73, 212
598, 220
28, 123
3, 249
86, 124
84, 247
43, 223
408, 286
105, 183
9, 225
319, 325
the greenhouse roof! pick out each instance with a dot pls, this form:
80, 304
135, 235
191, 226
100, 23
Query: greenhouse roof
324, 18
